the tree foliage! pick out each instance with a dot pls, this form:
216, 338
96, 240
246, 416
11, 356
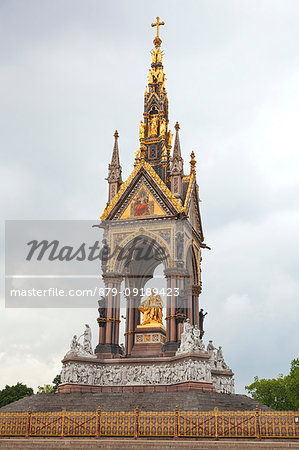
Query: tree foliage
56, 382
280, 393
45, 389
12, 393
49, 388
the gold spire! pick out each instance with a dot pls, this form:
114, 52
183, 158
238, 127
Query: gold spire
193, 163
157, 41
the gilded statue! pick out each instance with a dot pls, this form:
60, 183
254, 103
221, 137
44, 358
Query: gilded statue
169, 139
159, 55
163, 127
150, 77
141, 130
154, 125
160, 75
153, 53
152, 309
156, 56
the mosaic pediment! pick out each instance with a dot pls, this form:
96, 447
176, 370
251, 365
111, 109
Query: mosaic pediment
142, 205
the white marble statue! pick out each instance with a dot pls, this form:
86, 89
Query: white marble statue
190, 339
198, 341
85, 350
220, 363
87, 339
211, 348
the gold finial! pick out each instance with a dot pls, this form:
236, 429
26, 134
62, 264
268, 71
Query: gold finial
142, 153
193, 163
157, 41
137, 156
116, 135
177, 127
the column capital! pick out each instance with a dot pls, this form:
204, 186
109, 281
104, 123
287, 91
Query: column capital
196, 289
112, 276
176, 272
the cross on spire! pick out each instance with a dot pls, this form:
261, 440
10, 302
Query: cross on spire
157, 24
157, 40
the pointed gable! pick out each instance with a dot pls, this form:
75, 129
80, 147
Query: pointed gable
143, 205
161, 202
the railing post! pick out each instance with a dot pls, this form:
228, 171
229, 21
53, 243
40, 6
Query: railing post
98, 432
257, 423
216, 423
62, 423
136, 423
28, 423
176, 423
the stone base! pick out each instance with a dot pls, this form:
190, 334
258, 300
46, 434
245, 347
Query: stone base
107, 351
145, 350
170, 348
67, 388
148, 340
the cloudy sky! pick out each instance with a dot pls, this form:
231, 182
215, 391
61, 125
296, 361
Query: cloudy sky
74, 71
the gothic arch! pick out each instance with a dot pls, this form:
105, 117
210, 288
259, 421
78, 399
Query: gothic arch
149, 241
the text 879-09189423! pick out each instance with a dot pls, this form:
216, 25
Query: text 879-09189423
139, 292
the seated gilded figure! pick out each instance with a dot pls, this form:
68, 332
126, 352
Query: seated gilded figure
152, 309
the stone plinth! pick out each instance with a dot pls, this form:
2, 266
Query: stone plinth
191, 371
148, 340
67, 388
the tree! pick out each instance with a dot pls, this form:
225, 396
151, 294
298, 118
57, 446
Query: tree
13, 393
293, 384
49, 388
45, 389
280, 393
56, 382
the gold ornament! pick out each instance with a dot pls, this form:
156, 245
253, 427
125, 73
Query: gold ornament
157, 40
193, 163
137, 155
